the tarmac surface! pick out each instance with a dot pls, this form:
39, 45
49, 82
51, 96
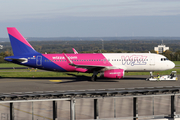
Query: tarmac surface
108, 107
10, 85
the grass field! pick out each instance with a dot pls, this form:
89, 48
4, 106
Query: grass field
30, 73
177, 63
10, 65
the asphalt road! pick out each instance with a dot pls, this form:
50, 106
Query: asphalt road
10, 85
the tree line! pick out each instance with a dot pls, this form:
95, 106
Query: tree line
114, 46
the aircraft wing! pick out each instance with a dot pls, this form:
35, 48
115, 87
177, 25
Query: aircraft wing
91, 67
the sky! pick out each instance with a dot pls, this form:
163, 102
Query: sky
91, 18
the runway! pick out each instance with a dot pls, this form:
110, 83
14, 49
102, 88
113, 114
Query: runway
10, 85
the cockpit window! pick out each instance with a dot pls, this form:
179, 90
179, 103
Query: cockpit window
164, 59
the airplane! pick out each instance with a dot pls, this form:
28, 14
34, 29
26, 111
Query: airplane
109, 65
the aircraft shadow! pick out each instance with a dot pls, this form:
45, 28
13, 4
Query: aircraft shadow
134, 78
78, 78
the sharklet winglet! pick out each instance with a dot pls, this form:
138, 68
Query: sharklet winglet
75, 52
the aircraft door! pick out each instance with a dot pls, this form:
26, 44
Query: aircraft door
39, 60
152, 60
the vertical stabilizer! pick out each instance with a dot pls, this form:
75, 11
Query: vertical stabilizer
20, 45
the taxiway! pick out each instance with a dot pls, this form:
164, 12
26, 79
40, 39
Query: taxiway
10, 85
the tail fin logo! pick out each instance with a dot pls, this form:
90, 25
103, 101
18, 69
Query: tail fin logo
19, 44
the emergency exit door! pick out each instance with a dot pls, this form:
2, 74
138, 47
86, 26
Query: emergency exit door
39, 60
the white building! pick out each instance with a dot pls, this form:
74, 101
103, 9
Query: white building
1, 46
161, 48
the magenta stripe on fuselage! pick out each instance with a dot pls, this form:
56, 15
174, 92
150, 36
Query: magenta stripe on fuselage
97, 59
15, 33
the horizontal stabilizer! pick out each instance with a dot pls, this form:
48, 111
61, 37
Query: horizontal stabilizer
12, 58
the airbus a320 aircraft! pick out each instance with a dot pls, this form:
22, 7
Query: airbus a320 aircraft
109, 65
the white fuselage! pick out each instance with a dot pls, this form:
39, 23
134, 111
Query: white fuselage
133, 62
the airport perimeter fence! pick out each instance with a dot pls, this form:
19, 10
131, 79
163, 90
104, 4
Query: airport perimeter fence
112, 108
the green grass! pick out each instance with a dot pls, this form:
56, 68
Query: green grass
167, 72
177, 63
10, 65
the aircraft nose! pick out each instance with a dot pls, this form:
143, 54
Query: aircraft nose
171, 65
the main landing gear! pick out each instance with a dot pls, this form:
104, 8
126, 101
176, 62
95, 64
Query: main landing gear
94, 76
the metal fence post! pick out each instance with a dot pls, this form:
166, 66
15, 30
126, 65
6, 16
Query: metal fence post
96, 114
32, 112
135, 108
153, 107
114, 107
54, 110
72, 109
11, 111
173, 108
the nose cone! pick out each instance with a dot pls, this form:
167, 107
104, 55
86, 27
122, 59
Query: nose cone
171, 65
